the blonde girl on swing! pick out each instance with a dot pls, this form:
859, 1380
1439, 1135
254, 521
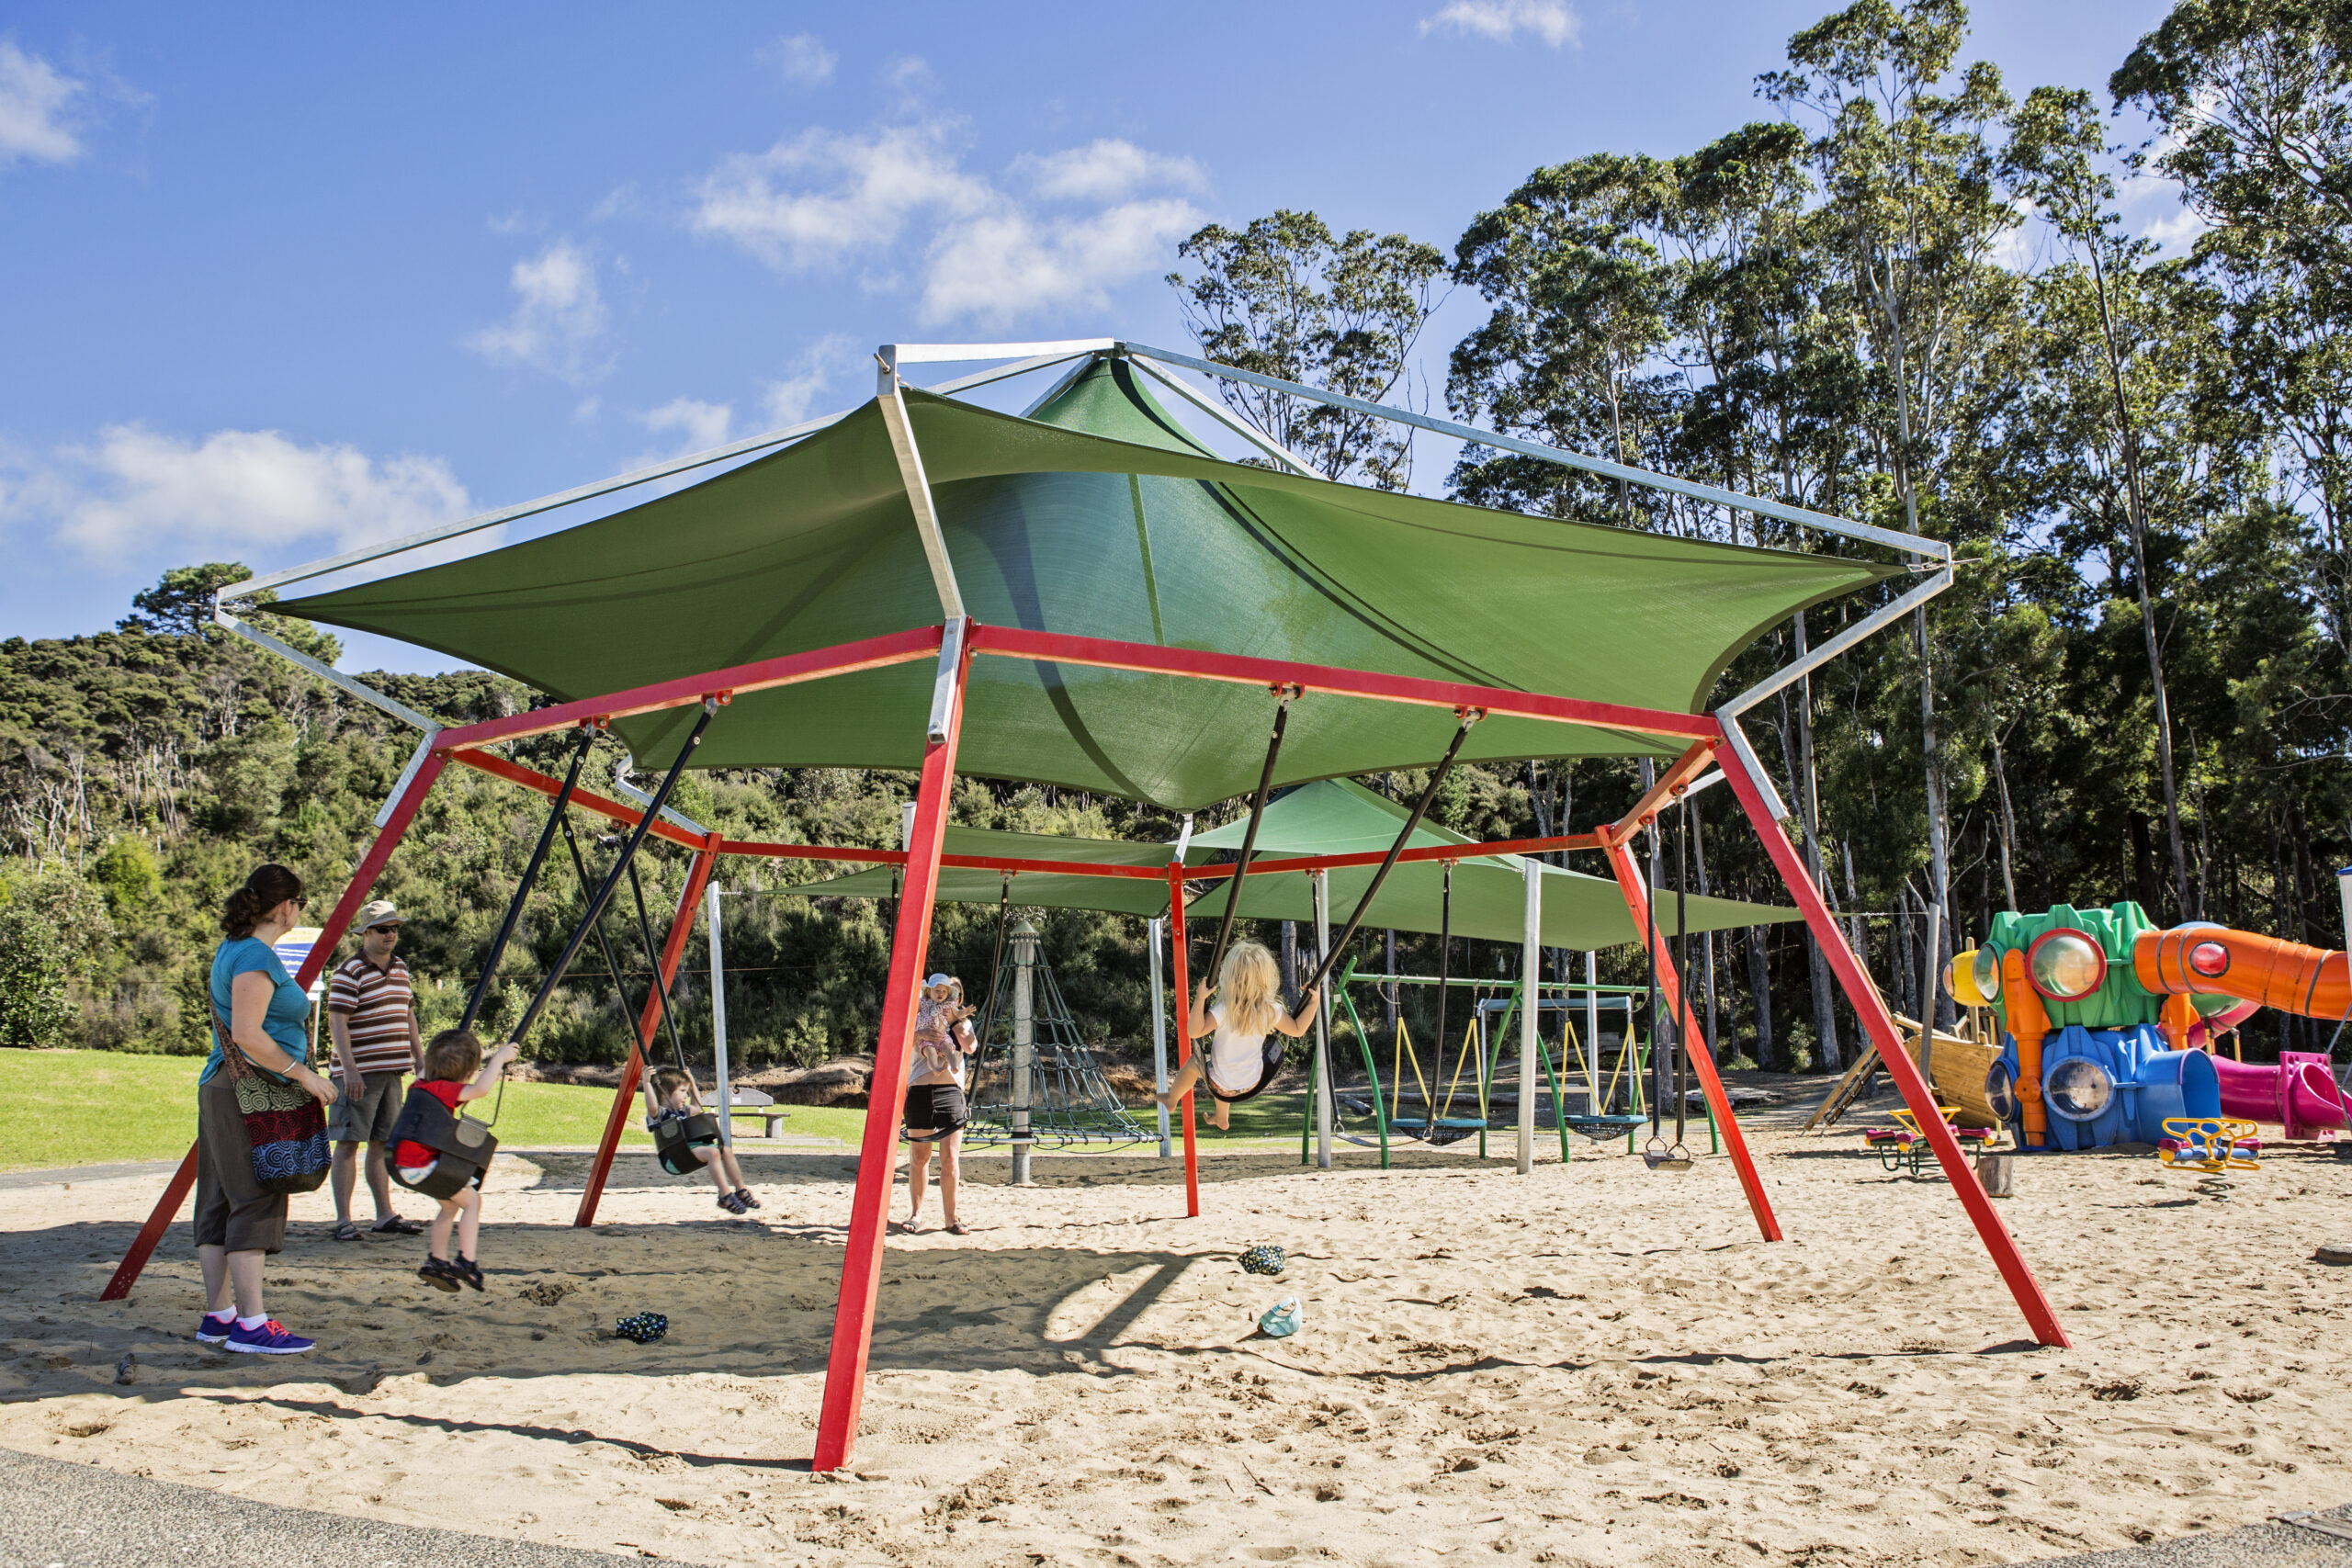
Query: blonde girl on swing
1247, 1009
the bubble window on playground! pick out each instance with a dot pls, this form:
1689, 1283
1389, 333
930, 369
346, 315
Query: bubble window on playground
2079, 1091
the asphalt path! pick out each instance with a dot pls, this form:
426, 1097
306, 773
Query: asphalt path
81, 1516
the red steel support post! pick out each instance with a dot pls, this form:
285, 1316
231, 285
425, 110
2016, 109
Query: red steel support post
345, 910
2023, 1287
1702, 1061
878, 1154
673, 951
1177, 972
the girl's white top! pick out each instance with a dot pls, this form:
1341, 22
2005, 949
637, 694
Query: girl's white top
1234, 1058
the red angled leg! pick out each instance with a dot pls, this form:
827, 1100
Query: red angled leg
673, 951
1702, 1061
347, 910
2023, 1287
1183, 1036
878, 1154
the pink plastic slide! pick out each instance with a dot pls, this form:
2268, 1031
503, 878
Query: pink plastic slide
2299, 1094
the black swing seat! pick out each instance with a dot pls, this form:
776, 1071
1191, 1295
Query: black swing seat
675, 1142
1658, 1156
463, 1146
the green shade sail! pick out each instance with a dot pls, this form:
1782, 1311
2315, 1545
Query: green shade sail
1100, 517
1337, 817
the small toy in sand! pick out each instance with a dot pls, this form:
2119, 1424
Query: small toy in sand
644, 1327
1283, 1319
1263, 1260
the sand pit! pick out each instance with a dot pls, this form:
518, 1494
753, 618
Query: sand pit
1595, 1364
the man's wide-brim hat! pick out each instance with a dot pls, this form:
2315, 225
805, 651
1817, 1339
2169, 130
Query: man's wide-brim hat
380, 912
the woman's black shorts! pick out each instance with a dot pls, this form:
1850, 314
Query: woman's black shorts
935, 1108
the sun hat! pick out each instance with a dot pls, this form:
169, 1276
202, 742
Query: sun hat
379, 912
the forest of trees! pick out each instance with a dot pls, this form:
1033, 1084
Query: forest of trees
1906, 297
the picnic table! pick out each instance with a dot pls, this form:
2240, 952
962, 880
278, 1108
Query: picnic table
759, 1104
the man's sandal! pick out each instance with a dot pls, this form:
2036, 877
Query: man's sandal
395, 1226
346, 1230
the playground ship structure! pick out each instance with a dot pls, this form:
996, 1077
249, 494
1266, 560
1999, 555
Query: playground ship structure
2109, 1027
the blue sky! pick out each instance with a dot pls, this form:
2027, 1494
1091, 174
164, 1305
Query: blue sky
276, 282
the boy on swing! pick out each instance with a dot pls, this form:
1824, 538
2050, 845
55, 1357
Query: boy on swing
670, 1096
1246, 1011
455, 1074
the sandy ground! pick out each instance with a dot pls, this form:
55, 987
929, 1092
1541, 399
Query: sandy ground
1594, 1364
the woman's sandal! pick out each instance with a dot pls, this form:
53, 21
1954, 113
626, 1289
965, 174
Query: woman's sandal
346, 1230
441, 1274
393, 1226
959, 1229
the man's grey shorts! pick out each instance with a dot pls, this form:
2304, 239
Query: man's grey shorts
367, 1117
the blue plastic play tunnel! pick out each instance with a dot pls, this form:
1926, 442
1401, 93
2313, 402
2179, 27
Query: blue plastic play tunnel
2103, 1087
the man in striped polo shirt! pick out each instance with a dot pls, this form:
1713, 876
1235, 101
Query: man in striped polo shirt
371, 1012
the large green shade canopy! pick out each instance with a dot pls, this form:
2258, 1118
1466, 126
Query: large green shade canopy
1101, 517
1334, 818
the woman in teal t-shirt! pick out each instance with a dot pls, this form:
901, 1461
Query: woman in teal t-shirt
237, 1224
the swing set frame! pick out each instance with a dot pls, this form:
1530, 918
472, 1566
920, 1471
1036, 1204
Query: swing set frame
953, 644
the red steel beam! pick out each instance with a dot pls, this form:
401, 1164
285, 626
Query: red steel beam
347, 910
1103, 653
1672, 781
1153, 872
1177, 972
673, 951
791, 669
878, 1154
586, 800
1703, 1060
1424, 852
2024, 1289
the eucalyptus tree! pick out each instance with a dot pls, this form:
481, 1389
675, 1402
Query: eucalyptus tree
2052, 162
1577, 291
1904, 150
1281, 297
2254, 98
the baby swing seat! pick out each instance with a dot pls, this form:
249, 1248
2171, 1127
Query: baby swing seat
462, 1144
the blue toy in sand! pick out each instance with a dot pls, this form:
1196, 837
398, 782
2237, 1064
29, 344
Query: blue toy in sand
644, 1327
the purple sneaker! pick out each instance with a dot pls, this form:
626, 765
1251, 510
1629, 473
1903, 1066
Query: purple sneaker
216, 1327
269, 1340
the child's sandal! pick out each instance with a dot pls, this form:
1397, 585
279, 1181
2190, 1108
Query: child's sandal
469, 1272
745, 1194
441, 1274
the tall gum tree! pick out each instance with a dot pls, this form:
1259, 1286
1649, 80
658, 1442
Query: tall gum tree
1905, 157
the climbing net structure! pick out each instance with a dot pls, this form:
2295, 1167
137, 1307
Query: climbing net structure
1036, 1078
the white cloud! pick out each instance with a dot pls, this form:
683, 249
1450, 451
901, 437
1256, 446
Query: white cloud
789, 400
911, 80
1105, 171
33, 98
559, 316
2176, 232
827, 197
1503, 20
138, 489
700, 426
824, 196
1008, 263
802, 58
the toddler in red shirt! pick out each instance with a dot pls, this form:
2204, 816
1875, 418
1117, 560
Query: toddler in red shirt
454, 1073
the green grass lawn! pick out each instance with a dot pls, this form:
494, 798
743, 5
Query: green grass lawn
60, 1108
63, 1108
